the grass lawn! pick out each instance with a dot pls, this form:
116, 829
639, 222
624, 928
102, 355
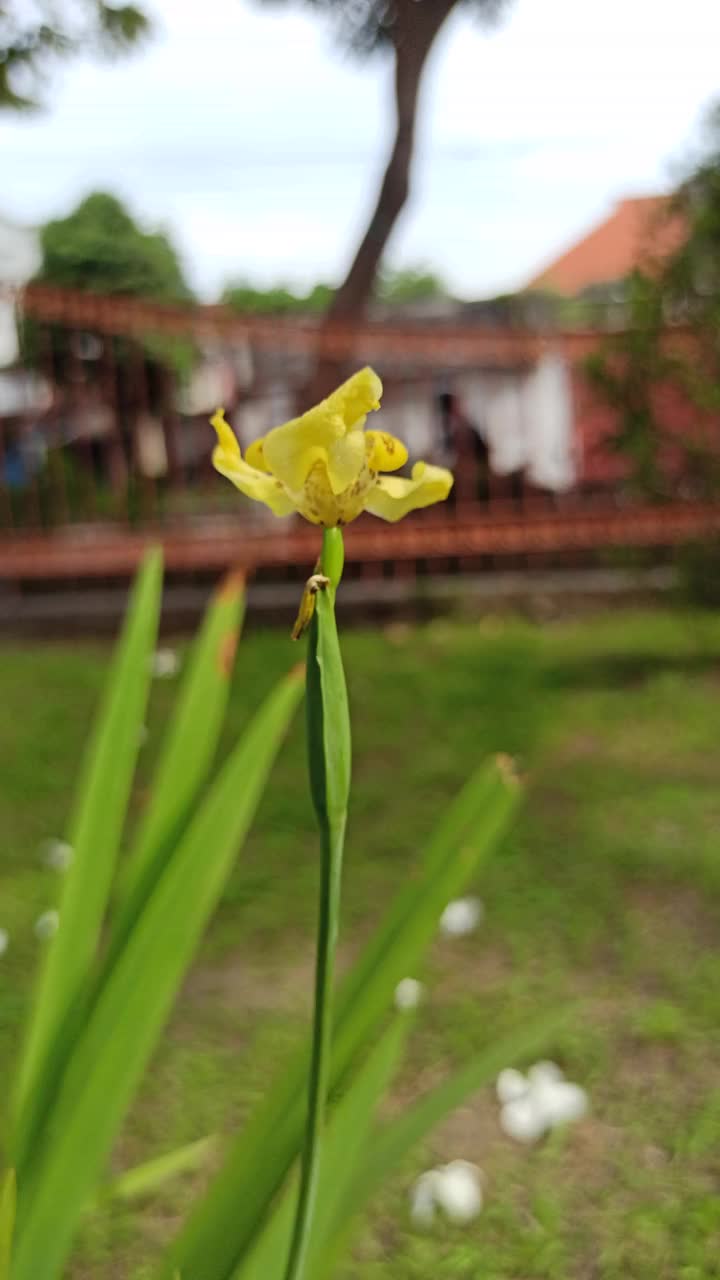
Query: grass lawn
607, 890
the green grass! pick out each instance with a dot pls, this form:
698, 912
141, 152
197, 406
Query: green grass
607, 891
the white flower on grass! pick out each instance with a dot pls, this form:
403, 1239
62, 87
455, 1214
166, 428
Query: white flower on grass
523, 1120
511, 1084
47, 924
561, 1102
165, 664
455, 1189
57, 854
544, 1072
4, 941
461, 917
540, 1101
458, 1191
422, 1199
408, 993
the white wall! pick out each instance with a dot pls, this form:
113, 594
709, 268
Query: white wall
19, 260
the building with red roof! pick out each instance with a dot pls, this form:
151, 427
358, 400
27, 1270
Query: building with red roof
639, 231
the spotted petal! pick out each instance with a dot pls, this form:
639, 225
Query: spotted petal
394, 496
254, 484
346, 460
292, 450
385, 452
355, 398
255, 455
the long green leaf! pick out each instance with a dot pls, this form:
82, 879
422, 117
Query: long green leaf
328, 717
344, 1143
467, 834
7, 1221
386, 1147
126, 1021
329, 755
188, 749
94, 833
217, 1236
147, 1178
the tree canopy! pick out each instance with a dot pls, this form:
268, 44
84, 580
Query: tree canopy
100, 248
408, 284
690, 280
277, 299
392, 287
33, 36
372, 26
633, 364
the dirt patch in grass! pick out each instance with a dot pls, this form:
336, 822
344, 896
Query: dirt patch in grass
667, 913
244, 983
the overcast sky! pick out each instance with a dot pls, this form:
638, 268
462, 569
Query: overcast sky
245, 132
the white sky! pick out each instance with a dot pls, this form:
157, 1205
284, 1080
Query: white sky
245, 132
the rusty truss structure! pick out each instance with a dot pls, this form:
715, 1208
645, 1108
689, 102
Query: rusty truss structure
122, 455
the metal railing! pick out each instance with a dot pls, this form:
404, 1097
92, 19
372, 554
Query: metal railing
103, 447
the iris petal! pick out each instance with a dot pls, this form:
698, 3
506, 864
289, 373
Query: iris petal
291, 451
346, 460
254, 484
385, 452
227, 440
355, 398
255, 455
325, 465
228, 460
394, 496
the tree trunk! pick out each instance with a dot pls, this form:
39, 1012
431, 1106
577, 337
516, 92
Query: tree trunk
416, 28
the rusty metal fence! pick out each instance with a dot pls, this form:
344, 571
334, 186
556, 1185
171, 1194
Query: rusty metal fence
105, 445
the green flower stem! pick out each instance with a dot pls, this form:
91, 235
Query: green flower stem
328, 738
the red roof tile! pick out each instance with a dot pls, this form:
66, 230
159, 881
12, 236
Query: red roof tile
637, 232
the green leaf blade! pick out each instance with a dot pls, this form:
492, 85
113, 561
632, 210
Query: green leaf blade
147, 1178
95, 831
467, 834
137, 996
344, 1144
329, 753
188, 749
7, 1221
385, 1148
328, 717
217, 1235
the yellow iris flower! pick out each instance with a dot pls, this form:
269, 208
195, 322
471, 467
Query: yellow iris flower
325, 465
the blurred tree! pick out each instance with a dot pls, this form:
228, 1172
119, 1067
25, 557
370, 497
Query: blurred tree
275, 300
99, 248
631, 365
33, 34
407, 29
408, 284
690, 279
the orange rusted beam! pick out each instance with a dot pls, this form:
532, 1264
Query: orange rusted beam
442, 345
103, 553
